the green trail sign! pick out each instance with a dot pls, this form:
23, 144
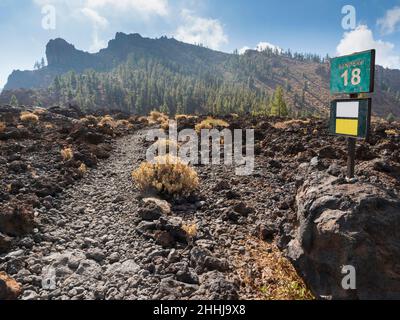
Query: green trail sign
353, 73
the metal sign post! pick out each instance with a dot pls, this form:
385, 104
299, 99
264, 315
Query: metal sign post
352, 74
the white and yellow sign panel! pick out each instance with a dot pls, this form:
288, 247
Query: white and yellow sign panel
350, 117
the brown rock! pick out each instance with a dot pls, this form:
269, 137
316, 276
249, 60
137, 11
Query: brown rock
9, 288
16, 219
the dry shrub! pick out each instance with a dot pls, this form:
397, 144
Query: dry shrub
82, 168
190, 230
124, 123
107, 121
144, 120
2, 127
168, 175
89, 120
48, 126
391, 132
30, 117
211, 123
158, 117
184, 117
39, 111
67, 154
164, 124
277, 279
291, 123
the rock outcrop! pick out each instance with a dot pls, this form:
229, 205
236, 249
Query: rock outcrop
356, 225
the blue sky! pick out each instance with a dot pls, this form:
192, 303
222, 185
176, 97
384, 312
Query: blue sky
302, 25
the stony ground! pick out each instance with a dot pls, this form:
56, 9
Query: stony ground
98, 240
90, 240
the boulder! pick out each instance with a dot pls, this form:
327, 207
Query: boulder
9, 288
5, 243
342, 225
16, 219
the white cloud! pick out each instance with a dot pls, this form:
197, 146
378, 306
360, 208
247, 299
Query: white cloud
362, 39
144, 7
262, 46
243, 50
198, 30
98, 22
95, 17
390, 21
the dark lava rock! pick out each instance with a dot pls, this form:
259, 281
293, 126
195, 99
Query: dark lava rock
18, 166
5, 243
215, 286
353, 225
165, 239
150, 211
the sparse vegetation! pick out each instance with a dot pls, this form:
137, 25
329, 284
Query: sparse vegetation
39, 111
211, 123
291, 123
279, 280
391, 132
190, 229
157, 117
184, 117
107, 121
168, 176
29, 117
67, 154
82, 168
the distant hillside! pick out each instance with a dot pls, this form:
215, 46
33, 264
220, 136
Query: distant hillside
138, 74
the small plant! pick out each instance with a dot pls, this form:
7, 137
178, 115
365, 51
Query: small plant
48, 126
184, 117
29, 117
39, 111
82, 168
160, 118
211, 123
2, 127
391, 132
107, 121
67, 154
89, 120
168, 176
190, 229
122, 123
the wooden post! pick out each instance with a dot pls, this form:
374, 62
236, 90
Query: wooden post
351, 151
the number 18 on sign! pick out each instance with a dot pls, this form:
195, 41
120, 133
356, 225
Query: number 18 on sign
353, 73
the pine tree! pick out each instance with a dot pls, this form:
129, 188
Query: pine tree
390, 118
278, 106
14, 101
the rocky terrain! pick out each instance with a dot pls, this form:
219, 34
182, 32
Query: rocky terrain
281, 233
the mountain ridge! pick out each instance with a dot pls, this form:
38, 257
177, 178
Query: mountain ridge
305, 78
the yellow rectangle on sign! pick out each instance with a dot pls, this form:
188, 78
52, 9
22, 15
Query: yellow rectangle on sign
347, 126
